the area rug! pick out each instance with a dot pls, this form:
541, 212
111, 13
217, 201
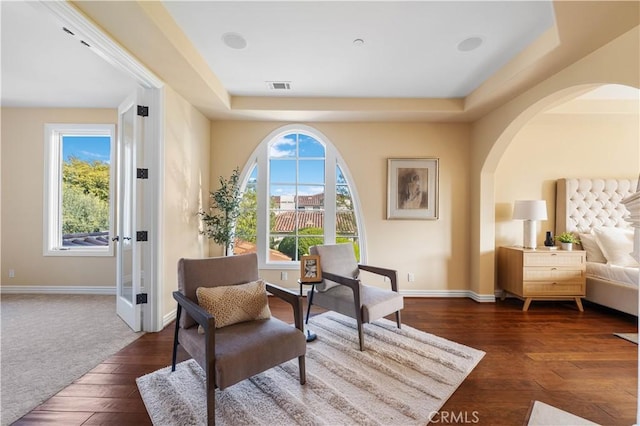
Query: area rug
632, 337
50, 340
546, 415
403, 377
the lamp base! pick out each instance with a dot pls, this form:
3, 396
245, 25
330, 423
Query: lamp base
529, 235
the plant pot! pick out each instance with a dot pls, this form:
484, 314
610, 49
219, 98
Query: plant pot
567, 246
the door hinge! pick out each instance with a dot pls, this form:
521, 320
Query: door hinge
142, 236
141, 298
142, 173
143, 111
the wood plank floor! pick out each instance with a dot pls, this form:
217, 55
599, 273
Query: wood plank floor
552, 353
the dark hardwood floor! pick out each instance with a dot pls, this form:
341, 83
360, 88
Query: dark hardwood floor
552, 353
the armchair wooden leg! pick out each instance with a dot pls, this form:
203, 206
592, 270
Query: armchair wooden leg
175, 339
398, 319
211, 399
303, 371
361, 334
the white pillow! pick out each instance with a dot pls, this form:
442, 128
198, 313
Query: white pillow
616, 245
590, 245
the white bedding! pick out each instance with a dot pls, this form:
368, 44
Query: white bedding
621, 274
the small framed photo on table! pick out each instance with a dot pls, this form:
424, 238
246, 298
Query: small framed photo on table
310, 271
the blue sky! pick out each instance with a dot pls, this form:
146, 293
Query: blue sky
87, 148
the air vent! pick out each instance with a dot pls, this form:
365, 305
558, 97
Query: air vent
279, 85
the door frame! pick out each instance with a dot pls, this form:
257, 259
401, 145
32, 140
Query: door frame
153, 145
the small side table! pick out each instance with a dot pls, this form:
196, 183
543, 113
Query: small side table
311, 336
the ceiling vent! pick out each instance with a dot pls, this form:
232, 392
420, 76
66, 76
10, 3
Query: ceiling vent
279, 85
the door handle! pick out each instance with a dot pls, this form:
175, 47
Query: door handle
116, 238
126, 238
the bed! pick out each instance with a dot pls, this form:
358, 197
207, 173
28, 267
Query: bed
592, 209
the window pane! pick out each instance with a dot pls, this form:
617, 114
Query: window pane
310, 197
282, 171
282, 222
311, 171
340, 179
284, 147
247, 223
346, 223
85, 190
343, 198
305, 242
310, 147
310, 222
283, 197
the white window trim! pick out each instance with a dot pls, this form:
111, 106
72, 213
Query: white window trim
52, 237
260, 156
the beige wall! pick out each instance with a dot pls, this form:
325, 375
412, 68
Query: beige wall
435, 251
618, 62
553, 146
185, 189
22, 203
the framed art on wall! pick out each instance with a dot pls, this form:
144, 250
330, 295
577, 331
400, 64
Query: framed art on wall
310, 271
412, 188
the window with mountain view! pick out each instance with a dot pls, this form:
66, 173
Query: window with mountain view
302, 198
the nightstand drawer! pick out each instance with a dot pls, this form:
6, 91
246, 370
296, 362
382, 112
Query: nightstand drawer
554, 259
553, 288
552, 274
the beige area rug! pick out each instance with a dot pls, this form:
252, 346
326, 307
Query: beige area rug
632, 337
546, 415
50, 340
403, 377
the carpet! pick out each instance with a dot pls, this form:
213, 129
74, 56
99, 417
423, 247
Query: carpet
546, 415
403, 377
48, 341
632, 337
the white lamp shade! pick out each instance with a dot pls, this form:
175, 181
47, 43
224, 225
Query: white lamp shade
530, 210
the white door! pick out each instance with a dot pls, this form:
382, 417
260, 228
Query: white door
128, 213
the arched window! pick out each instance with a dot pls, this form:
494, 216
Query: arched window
296, 194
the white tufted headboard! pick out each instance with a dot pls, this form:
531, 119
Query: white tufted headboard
582, 204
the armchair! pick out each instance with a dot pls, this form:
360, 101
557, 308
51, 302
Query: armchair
341, 290
238, 351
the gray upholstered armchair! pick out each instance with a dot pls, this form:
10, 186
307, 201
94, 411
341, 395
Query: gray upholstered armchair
234, 352
341, 290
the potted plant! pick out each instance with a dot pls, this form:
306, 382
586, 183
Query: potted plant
220, 220
567, 240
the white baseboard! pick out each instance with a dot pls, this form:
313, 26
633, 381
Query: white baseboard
166, 320
44, 289
490, 298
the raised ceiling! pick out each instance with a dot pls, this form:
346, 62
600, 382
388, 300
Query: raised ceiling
343, 61
360, 49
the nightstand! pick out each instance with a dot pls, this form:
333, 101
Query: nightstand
542, 274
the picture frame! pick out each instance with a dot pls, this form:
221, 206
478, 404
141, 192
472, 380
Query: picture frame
310, 271
412, 188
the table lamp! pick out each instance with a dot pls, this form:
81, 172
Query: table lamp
530, 211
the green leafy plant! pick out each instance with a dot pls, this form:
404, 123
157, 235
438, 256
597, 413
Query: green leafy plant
567, 237
220, 220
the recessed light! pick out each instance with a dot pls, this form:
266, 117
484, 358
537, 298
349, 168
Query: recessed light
358, 42
469, 44
234, 40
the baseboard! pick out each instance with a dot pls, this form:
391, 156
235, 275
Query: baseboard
43, 289
166, 320
450, 293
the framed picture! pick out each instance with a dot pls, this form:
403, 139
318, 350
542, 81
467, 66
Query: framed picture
412, 188
310, 269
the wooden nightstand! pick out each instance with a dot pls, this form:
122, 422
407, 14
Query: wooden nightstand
542, 274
